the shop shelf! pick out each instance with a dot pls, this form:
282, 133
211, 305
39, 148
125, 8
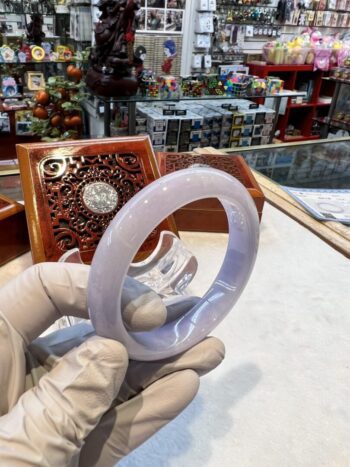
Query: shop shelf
294, 139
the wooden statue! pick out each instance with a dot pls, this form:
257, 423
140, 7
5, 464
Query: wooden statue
113, 57
35, 32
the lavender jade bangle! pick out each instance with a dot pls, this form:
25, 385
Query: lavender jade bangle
125, 234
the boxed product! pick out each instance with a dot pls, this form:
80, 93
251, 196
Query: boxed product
170, 148
225, 132
265, 140
234, 143
206, 137
237, 119
236, 132
274, 85
157, 139
195, 136
183, 147
266, 130
244, 142
247, 130
257, 130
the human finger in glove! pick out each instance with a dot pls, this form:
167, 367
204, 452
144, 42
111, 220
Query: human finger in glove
72, 398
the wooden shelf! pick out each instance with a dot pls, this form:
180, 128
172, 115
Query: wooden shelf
323, 104
309, 104
295, 139
292, 75
289, 68
298, 106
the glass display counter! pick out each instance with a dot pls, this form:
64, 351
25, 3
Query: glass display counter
108, 103
323, 164
338, 117
313, 164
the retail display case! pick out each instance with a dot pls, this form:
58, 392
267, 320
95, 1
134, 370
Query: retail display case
312, 164
338, 117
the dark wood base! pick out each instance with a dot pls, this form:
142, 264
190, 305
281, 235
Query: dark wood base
109, 85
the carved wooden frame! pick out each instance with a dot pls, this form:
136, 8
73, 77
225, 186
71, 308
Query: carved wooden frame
208, 215
54, 177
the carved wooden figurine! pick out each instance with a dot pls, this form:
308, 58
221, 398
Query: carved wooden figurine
112, 59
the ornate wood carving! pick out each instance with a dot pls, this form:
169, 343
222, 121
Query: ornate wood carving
77, 190
208, 215
169, 162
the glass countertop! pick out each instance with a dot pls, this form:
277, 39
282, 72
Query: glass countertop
10, 186
312, 164
139, 98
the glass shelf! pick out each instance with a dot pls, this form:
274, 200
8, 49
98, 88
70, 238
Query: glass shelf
139, 98
336, 80
312, 164
44, 62
333, 123
242, 5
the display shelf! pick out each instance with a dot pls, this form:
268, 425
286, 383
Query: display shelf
298, 106
339, 104
266, 69
336, 80
294, 139
309, 104
333, 123
18, 96
239, 6
323, 104
139, 98
293, 75
131, 102
44, 62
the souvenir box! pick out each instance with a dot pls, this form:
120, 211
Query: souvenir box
208, 215
72, 190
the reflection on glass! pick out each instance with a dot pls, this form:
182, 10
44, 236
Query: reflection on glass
324, 164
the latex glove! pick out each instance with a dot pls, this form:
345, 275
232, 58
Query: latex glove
83, 409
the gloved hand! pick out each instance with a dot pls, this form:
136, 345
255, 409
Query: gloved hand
73, 398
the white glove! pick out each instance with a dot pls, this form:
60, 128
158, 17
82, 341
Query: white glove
72, 398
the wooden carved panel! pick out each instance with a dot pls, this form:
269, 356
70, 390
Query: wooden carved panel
208, 214
169, 162
78, 189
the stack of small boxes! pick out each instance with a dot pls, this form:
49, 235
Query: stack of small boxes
188, 125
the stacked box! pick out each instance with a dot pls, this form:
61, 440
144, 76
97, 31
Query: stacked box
222, 126
210, 123
171, 132
141, 125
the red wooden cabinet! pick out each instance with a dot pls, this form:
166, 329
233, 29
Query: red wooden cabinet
302, 115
